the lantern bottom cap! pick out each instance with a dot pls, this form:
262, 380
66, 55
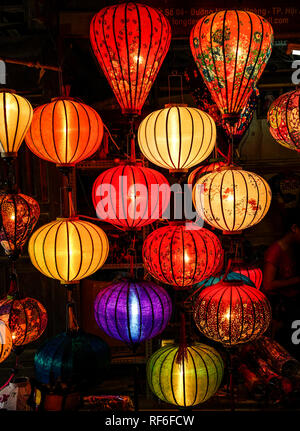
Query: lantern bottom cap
178, 170
232, 232
12, 154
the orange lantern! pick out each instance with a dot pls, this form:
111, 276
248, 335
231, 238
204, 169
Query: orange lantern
5, 341
231, 49
64, 131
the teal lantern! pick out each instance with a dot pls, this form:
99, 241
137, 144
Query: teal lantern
185, 379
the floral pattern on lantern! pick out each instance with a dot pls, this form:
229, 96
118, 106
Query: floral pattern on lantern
133, 311
187, 380
5, 341
232, 313
15, 118
177, 137
232, 199
75, 358
130, 42
182, 254
19, 214
130, 196
26, 318
231, 49
68, 249
284, 120
64, 131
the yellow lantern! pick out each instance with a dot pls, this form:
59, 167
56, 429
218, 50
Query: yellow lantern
185, 380
68, 249
15, 118
5, 341
232, 199
177, 137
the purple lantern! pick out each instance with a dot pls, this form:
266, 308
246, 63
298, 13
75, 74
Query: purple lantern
133, 311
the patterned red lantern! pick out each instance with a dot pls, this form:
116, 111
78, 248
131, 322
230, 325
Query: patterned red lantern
130, 42
231, 312
202, 170
18, 214
26, 319
182, 254
130, 196
231, 49
251, 271
64, 131
284, 120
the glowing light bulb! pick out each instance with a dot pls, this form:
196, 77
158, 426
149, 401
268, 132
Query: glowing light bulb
230, 197
227, 315
13, 217
138, 59
186, 258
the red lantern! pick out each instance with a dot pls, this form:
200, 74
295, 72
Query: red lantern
251, 271
64, 131
26, 319
202, 170
130, 42
19, 214
182, 254
231, 312
284, 120
130, 196
231, 49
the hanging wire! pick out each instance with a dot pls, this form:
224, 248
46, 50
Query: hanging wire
111, 138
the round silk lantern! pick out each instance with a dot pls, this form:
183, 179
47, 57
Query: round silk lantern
231, 312
231, 49
64, 131
202, 170
26, 319
75, 358
232, 199
15, 118
5, 341
130, 42
284, 121
188, 380
182, 254
133, 311
177, 137
130, 196
68, 249
19, 214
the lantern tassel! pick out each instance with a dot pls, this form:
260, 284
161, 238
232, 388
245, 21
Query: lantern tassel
71, 323
182, 351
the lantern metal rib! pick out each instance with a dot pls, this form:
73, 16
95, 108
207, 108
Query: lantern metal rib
177, 137
130, 42
182, 254
231, 312
132, 311
186, 382
64, 131
231, 49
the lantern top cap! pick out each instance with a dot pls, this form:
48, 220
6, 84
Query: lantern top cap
75, 218
7, 90
176, 105
68, 98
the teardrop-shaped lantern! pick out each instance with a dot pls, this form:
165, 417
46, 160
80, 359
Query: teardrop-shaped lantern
64, 131
18, 215
130, 42
177, 137
68, 249
231, 49
15, 118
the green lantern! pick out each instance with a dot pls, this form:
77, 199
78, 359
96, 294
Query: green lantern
185, 379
